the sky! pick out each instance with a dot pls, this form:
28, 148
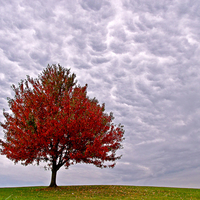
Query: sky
139, 57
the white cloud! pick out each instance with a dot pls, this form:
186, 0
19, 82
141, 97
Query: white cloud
2, 76
151, 141
145, 169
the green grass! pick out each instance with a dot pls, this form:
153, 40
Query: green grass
98, 192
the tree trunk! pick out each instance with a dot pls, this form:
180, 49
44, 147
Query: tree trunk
53, 178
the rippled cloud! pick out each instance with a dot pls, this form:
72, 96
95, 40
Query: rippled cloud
139, 57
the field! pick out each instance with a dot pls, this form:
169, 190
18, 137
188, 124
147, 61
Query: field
98, 192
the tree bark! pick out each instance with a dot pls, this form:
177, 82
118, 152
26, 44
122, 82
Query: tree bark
53, 178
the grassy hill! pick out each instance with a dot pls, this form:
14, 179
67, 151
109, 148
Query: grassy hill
98, 192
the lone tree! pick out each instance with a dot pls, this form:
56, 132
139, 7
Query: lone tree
53, 121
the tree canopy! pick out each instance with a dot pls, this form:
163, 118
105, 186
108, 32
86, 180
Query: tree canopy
54, 121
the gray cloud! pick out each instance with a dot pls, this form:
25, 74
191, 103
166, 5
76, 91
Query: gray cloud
139, 57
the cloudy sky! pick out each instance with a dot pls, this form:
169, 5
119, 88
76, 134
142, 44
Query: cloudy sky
139, 57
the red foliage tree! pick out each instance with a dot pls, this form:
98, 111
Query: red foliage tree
54, 121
